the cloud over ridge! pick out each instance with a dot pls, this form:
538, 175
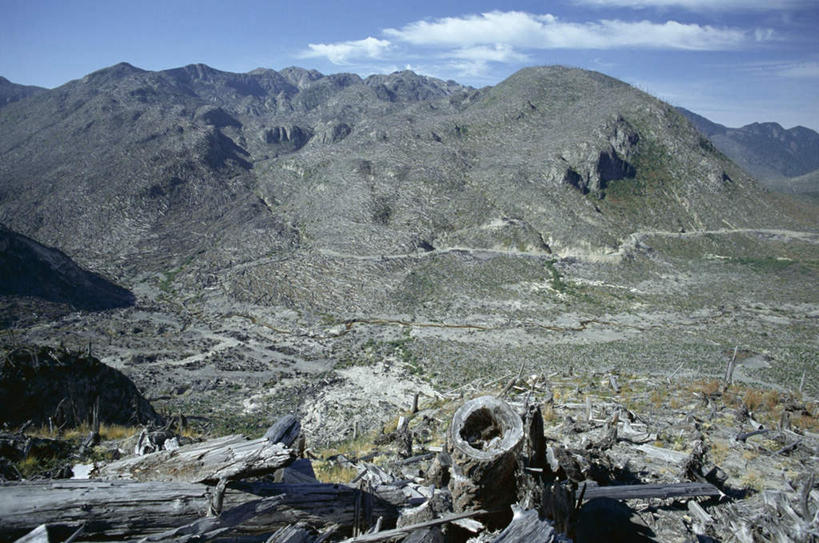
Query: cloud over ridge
504, 36
347, 51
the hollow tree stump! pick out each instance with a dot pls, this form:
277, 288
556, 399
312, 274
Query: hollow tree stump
483, 441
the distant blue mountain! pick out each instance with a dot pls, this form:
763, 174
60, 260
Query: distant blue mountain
767, 151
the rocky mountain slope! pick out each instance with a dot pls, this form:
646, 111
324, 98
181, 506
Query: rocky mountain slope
42, 280
770, 153
287, 231
134, 170
12, 92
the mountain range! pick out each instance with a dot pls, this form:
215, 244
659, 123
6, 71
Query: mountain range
785, 160
275, 227
130, 171
11, 92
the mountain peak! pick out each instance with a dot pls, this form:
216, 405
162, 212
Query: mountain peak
117, 71
12, 92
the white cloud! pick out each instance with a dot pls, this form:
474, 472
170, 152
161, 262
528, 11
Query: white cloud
509, 27
515, 29
699, 5
344, 52
499, 52
788, 69
800, 70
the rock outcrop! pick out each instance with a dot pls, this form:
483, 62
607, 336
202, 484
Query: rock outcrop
45, 383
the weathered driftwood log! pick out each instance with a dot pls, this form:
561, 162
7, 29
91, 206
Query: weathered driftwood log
527, 526
325, 504
130, 509
209, 528
662, 491
114, 509
230, 457
484, 439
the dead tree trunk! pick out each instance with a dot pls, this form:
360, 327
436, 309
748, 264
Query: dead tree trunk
117, 510
231, 457
483, 440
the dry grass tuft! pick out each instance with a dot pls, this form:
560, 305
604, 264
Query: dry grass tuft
549, 415
107, 432
709, 387
332, 472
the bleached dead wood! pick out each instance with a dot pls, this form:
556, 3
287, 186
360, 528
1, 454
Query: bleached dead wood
389, 534
697, 510
230, 457
206, 529
115, 508
729, 371
666, 455
128, 509
291, 534
662, 491
37, 535
527, 526
484, 438
285, 431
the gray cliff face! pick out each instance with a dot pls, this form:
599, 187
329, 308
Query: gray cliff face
133, 171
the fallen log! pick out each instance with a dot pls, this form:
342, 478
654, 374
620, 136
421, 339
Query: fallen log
326, 504
130, 509
483, 439
662, 491
230, 457
115, 509
206, 529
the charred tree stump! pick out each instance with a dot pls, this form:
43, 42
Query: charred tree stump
483, 441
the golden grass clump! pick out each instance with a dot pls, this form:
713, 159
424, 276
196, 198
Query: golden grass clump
332, 472
549, 414
709, 387
107, 431
759, 400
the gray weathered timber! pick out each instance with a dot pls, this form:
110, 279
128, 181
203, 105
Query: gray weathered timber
118, 509
663, 491
389, 534
284, 431
484, 437
527, 526
37, 535
291, 534
113, 509
325, 504
206, 529
230, 457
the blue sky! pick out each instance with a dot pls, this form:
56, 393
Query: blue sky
733, 61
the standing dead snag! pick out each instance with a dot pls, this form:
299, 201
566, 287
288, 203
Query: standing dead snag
483, 440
